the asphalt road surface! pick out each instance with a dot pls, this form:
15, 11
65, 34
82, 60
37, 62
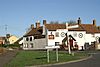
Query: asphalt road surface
92, 62
7, 57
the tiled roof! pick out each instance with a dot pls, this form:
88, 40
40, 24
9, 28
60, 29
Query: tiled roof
34, 31
90, 28
2, 38
55, 26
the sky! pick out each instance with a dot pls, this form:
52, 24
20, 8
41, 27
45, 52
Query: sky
16, 16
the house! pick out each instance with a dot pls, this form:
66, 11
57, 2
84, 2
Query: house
34, 39
12, 39
8, 39
85, 34
56, 34
78, 34
2, 40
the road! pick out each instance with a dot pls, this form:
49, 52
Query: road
6, 57
92, 62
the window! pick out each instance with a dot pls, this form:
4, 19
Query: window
56, 43
57, 34
31, 45
99, 39
51, 36
30, 38
26, 45
75, 34
27, 38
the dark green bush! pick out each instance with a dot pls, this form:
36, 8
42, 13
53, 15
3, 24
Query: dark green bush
10, 45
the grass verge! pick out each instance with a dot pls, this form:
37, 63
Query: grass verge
29, 58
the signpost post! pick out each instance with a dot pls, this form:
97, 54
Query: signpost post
48, 49
48, 55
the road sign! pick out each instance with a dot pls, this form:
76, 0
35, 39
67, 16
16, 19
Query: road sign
48, 49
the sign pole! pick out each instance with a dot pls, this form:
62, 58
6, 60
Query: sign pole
57, 54
48, 55
48, 51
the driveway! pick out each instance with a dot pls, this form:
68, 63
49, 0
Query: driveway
92, 62
6, 57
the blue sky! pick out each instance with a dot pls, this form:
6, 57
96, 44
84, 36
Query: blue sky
18, 15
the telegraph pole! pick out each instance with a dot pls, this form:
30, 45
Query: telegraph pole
6, 40
6, 28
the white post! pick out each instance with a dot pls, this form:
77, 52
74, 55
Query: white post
57, 54
48, 55
69, 50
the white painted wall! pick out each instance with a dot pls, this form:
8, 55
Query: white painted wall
97, 36
89, 38
21, 42
80, 41
51, 42
27, 43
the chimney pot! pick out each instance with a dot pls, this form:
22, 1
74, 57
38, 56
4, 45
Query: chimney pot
37, 24
94, 22
79, 20
32, 26
44, 22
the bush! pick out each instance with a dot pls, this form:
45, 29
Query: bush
11, 45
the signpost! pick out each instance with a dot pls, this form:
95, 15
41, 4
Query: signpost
48, 49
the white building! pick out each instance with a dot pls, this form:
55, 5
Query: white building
54, 34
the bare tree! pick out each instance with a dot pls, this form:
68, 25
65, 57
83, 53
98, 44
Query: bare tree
71, 22
54, 22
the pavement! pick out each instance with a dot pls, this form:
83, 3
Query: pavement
6, 57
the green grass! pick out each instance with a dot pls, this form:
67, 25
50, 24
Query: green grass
28, 58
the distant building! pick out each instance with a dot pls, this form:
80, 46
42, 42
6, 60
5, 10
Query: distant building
9, 39
2, 40
12, 39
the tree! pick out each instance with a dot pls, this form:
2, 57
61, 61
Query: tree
54, 22
98, 27
71, 22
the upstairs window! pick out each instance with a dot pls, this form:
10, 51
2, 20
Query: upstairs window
30, 38
57, 34
51, 36
75, 34
27, 39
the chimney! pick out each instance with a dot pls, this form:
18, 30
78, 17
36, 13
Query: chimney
94, 22
44, 22
66, 25
37, 24
32, 26
79, 21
